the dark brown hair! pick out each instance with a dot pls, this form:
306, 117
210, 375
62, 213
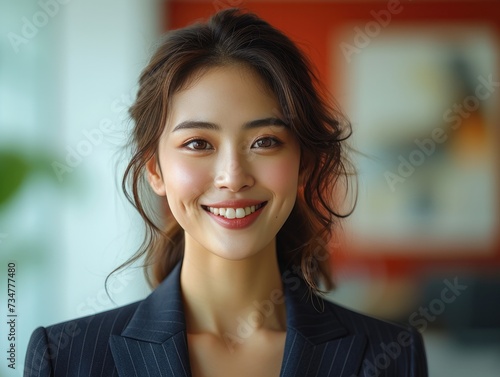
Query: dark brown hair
234, 36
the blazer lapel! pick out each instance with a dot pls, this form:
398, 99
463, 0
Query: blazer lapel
317, 344
154, 342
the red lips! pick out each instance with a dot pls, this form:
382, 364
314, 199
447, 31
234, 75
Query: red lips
236, 223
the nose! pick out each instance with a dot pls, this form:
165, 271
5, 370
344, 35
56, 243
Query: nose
233, 173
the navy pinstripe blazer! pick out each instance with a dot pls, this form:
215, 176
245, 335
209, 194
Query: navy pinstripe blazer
148, 338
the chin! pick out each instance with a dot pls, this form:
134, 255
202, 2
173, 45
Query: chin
235, 252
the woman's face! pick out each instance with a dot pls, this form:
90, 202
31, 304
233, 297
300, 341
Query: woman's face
227, 163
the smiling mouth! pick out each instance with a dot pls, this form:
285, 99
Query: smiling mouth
234, 213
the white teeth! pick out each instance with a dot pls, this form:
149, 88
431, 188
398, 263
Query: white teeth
231, 213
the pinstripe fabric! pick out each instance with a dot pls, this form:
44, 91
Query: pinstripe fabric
77, 348
148, 338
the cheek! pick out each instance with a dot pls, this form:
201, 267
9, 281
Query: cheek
186, 179
281, 175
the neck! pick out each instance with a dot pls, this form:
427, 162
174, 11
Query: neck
223, 296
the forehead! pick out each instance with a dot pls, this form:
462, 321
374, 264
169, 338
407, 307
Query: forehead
226, 73
222, 94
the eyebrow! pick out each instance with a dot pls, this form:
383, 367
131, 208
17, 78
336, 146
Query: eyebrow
189, 124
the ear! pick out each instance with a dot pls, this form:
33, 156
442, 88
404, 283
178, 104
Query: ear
154, 176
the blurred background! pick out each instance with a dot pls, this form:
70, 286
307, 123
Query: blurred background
419, 81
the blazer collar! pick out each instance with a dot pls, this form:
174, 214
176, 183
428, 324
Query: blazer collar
161, 315
307, 313
157, 332
317, 343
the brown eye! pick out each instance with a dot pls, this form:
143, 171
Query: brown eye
198, 145
266, 142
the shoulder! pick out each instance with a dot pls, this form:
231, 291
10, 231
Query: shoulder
84, 340
388, 345
372, 327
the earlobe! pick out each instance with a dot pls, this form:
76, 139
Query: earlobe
154, 176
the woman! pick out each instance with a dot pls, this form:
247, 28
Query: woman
231, 130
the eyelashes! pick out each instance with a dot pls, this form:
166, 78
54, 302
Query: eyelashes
197, 145
267, 142
264, 143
